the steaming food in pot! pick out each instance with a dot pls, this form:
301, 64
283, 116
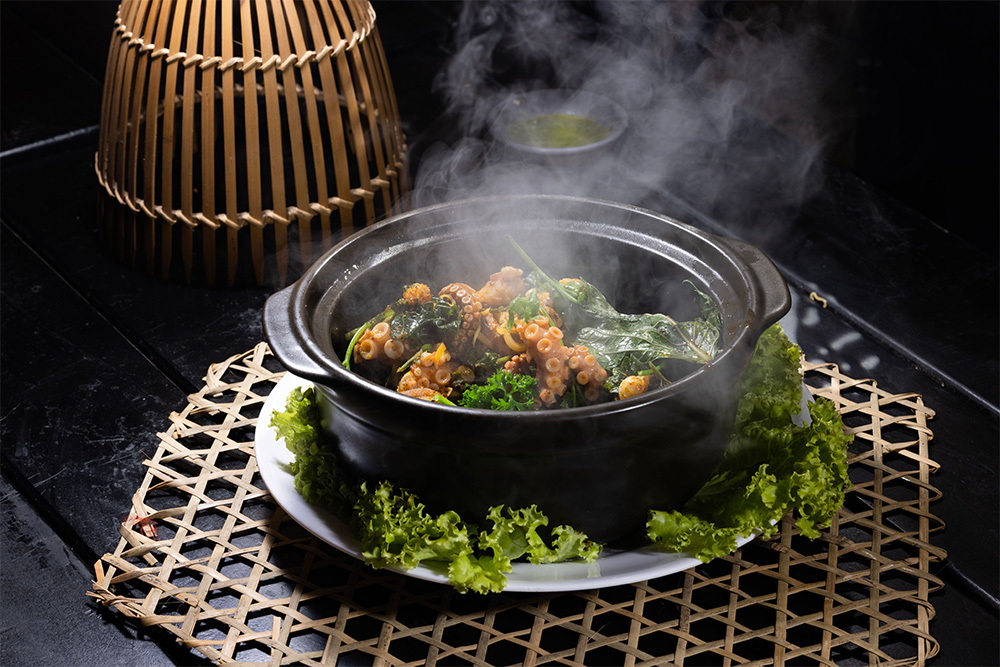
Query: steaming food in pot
525, 342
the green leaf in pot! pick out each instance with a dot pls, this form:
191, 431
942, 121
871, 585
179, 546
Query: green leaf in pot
419, 322
626, 344
427, 322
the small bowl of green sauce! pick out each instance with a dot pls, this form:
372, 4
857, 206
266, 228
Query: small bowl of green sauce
558, 122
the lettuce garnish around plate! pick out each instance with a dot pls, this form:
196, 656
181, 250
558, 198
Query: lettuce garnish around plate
397, 530
771, 467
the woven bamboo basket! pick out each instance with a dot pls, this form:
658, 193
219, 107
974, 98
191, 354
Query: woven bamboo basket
234, 130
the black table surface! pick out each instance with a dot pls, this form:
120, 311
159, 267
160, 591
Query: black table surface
95, 355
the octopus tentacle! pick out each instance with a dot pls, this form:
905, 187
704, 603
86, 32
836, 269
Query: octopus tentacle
558, 365
471, 308
504, 286
432, 370
376, 345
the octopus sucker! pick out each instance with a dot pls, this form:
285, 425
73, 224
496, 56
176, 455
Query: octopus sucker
589, 372
519, 363
376, 346
393, 349
546, 397
366, 349
464, 374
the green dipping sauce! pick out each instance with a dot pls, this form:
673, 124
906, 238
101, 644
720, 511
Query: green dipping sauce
557, 130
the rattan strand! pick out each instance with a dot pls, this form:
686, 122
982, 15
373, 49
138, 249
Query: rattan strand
206, 556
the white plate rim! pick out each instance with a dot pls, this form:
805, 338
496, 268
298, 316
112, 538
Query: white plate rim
612, 568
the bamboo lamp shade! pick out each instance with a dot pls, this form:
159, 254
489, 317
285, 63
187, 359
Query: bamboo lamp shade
240, 139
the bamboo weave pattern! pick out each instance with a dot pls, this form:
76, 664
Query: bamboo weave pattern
274, 120
206, 556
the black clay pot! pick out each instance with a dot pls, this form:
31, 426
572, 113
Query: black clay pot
598, 468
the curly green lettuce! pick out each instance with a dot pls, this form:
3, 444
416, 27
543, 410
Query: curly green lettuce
513, 537
771, 466
318, 477
396, 530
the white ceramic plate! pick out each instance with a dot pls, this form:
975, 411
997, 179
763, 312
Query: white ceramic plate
610, 568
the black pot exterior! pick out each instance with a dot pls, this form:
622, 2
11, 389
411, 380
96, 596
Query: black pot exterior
598, 468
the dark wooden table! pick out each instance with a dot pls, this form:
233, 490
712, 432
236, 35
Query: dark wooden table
95, 354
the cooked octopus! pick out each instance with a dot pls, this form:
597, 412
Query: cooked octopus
435, 371
376, 345
503, 287
469, 306
558, 365
416, 293
493, 333
480, 331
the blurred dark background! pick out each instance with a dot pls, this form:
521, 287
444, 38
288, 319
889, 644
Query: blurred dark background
916, 103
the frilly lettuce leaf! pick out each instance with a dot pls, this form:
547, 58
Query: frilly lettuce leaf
516, 535
318, 478
771, 466
397, 530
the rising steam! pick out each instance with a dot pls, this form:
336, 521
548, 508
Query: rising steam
729, 103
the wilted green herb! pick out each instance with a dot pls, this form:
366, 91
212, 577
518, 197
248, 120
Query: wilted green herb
432, 320
527, 308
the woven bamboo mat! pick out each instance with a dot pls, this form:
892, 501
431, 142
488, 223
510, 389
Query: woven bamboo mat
207, 556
